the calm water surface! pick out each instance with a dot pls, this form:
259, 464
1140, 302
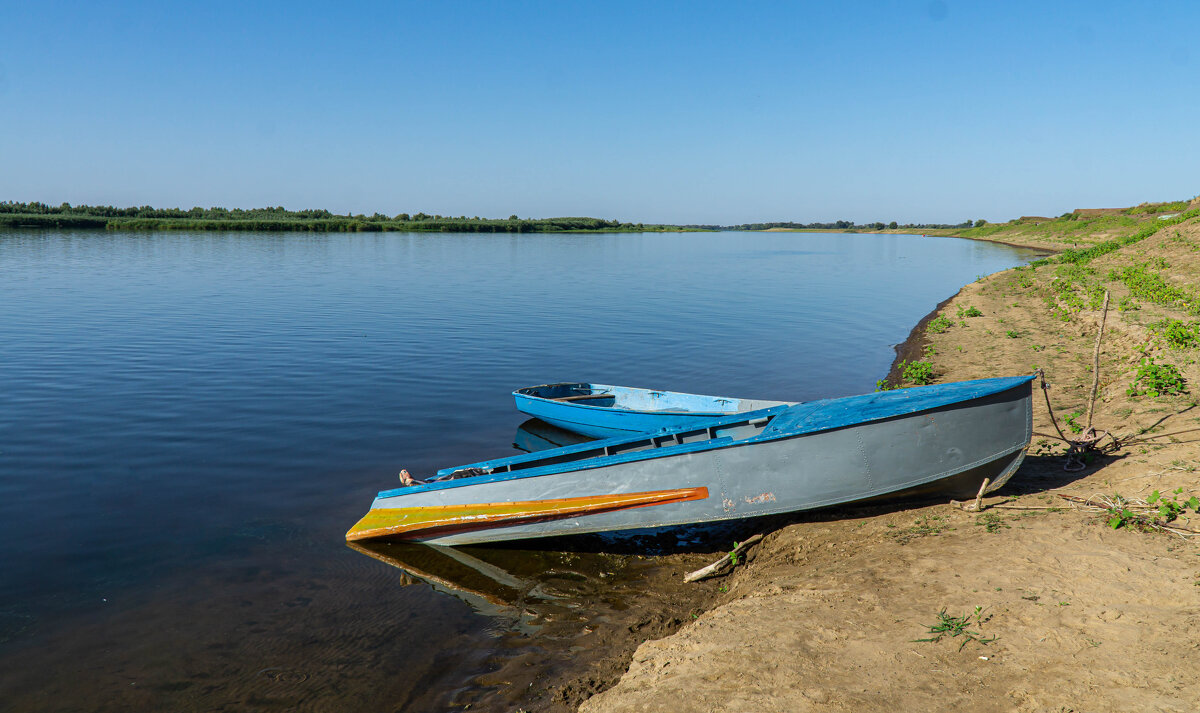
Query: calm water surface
189, 422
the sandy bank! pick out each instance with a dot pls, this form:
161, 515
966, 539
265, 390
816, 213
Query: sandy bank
825, 615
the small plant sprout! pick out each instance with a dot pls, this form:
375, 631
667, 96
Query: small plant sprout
958, 626
1171, 508
1071, 424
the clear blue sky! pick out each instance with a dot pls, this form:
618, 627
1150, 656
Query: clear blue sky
684, 112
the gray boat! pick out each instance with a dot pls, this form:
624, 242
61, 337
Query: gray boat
945, 438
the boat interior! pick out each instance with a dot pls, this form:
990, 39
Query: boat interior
634, 399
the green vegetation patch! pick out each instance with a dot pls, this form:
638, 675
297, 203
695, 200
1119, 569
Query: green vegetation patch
1176, 333
939, 324
1151, 287
1154, 379
918, 373
1086, 255
1152, 208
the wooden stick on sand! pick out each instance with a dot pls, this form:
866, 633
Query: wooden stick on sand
725, 561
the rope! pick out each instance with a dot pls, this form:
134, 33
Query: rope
1077, 448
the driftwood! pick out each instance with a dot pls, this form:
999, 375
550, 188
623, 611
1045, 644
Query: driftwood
726, 561
978, 504
1096, 367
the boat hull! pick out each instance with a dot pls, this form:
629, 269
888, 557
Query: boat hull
949, 449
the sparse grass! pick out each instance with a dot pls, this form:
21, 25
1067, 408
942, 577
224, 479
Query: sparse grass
991, 522
957, 626
924, 526
1126, 304
1151, 287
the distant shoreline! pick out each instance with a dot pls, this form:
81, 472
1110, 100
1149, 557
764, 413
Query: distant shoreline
333, 225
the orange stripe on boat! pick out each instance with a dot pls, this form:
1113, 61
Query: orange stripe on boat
413, 522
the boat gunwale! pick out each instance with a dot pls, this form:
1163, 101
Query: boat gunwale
523, 393
599, 461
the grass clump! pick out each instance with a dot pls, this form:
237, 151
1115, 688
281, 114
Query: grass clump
1157, 380
969, 312
918, 373
957, 626
939, 324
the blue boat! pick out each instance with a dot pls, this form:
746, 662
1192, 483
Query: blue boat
605, 411
944, 439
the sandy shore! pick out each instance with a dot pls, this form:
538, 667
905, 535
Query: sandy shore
1074, 615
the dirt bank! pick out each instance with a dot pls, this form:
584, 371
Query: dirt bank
1073, 614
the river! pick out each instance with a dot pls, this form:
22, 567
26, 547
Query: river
189, 422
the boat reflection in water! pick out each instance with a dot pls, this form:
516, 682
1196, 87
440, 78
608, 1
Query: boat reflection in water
536, 435
526, 589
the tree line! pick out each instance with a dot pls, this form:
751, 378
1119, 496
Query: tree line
65, 215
